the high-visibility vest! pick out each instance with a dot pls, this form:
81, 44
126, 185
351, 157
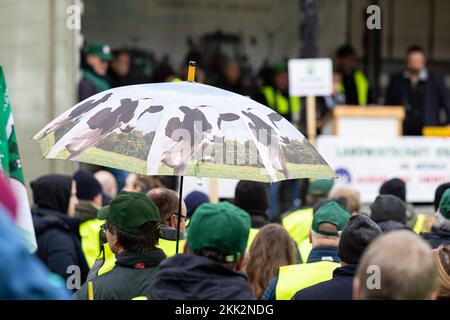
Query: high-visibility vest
305, 248
298, 224
251, 236
140, 298
362, 87
277, 101
418, 227
90, 240
296, 277
169, 246
110, 260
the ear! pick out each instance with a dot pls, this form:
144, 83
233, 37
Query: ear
240, 262
185, 109
227, 117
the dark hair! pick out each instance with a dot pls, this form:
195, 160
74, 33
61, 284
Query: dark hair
395, 187
345, 51
216, 256
117, 52
414, 48
136, 243
251, 195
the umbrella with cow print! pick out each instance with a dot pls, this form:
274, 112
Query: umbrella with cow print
182, 129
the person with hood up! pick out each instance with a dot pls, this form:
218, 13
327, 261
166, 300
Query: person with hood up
57, 232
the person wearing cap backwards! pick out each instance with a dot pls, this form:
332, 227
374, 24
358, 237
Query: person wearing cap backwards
440, 232
132, 232
328, 222
210, 267
298, 223
95, 70
355, 237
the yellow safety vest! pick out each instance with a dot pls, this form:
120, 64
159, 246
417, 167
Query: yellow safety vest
140, 298
90, 241
109, 262
296, 277
418, 227
298, 224
251, 236
305, 249
169, 246
362, 87
279, 103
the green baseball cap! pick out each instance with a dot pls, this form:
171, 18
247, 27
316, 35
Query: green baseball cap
279, 67
444, 204
129, 211
219, 226
103, 51
321, 185
330, 212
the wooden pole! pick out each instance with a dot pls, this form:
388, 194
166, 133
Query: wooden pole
311, 119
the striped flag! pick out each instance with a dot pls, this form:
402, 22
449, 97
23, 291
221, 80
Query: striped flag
11, 166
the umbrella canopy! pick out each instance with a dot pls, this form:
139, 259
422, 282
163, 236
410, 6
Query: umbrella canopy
184, 129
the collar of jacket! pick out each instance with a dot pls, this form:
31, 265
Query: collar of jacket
440, 233
169, 233
422, 76
345, 271
85, 211
323, 254
141, 260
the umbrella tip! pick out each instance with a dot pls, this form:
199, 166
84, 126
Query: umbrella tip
191, 71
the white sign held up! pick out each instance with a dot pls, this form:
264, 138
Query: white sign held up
310, 77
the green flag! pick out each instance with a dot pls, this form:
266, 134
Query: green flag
11, 166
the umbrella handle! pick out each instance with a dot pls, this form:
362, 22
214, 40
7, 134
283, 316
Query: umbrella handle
180, 200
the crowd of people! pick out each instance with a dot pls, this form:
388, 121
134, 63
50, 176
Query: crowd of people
125, 248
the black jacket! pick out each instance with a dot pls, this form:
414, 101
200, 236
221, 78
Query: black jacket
437, 237
435, 97
132, 276
58, 242
338, 288
192, 277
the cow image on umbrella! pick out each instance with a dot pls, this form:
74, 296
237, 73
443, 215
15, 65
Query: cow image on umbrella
172, 124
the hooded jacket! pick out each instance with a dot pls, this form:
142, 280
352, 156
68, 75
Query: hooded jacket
192, 277
57, 234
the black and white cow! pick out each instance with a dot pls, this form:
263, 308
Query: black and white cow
87, 134
182, 138
269, 141
72, 116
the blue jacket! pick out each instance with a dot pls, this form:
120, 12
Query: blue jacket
437, 237
23, 276
338, 288
59, 244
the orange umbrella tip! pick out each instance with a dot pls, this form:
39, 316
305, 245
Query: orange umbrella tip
191, 71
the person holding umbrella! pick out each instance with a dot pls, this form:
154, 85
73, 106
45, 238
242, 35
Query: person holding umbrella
132, 232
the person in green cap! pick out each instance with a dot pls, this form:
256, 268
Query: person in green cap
210, 267
328, 222
95, 68
440, 232
132, 232
298, 223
